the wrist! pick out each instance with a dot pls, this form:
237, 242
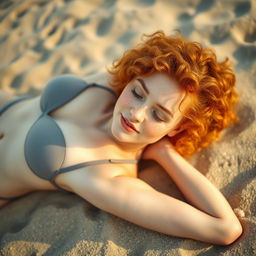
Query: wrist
167, 151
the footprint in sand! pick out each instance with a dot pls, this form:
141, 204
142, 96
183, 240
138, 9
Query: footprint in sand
245, 56
186, 23
108, 4
242, 8
53, 30
204, 6
126, 38
17, 81
43, 3
105, 25
15, 24
186, 19
4, 38
5, 4
245, 31
187, 29
58, 66
22, 13
145, 3
250, 36
82, 22
220, 33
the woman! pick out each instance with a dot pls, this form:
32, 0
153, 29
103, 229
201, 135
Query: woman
163, 100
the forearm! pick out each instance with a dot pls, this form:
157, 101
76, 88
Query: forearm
196, 188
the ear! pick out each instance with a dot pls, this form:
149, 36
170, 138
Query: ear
176, 131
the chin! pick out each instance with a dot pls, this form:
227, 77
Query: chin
122, 137
119, 135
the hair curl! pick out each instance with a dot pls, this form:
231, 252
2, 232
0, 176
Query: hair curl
210, 85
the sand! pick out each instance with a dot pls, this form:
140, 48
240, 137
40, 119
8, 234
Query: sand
40, 39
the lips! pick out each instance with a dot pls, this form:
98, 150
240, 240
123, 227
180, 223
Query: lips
127, 125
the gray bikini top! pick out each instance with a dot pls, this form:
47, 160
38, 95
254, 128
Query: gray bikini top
45, 146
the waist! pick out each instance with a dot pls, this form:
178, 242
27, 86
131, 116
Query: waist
14, 125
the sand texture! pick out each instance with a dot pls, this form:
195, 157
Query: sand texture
40, 39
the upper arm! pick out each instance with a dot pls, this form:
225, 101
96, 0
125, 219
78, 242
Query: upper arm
134, 200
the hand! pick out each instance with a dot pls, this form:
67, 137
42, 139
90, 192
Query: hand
153, 151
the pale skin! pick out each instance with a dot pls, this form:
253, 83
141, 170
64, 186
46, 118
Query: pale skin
117, 189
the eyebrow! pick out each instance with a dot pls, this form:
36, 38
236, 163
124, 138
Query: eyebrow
147, 92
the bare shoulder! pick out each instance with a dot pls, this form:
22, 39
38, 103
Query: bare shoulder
83, 180
101, 78
105, 190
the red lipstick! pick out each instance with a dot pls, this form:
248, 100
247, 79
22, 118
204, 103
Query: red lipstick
127, 125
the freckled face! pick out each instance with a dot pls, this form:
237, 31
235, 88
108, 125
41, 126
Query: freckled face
150, 105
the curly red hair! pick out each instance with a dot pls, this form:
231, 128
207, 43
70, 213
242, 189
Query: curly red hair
208, 84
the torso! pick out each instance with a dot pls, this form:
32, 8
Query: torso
80, 121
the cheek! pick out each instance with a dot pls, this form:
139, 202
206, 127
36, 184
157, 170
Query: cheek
155, 130
125, 100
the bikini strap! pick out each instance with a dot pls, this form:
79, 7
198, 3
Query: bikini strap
85, 164
96, 162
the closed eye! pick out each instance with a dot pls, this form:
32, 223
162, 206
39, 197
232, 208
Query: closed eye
154, 113
136, 94
156, 117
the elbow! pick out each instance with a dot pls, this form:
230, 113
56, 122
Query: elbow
231, 232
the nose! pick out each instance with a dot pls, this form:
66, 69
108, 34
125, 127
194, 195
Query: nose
138, 114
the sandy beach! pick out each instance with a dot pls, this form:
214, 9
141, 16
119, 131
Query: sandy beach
40, 39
